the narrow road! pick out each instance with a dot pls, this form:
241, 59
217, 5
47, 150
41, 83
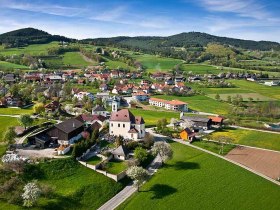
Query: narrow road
130, 189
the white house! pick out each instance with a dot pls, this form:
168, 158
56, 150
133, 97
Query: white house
121, 153
100, 110
81, 95
140, 96
175, 105
124, 123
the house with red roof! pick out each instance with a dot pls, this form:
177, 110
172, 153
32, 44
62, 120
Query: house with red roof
124, 123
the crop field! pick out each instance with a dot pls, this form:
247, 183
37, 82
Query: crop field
154, 63
245, 96
151, 117
197, 180
34, 49
251, 138
201, 103
8, 65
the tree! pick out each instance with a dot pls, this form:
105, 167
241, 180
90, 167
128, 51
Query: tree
25, 120
140, 154
217, 97
38, 108
229, 99
10, 135
222, 141
162, 149
138, 174
31, 194
148, 140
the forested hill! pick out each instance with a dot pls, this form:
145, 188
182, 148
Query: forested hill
26, 36
191, 39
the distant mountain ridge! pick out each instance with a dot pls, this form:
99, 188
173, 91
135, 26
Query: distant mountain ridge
25, 36
190, 39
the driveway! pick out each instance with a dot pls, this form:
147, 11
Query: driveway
263, 161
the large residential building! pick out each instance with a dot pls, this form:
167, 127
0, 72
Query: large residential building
175, 105
124, 123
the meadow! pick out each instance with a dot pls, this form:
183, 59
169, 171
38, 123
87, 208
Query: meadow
154, 63
34, 49
75, 186
201, 103
197, 180
6, 122
8, 65
151, 117
74, 59
16, 111
245, 96
200, 69
250, 138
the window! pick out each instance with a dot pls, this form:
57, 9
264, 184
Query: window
123, 125
111, 124
119, 125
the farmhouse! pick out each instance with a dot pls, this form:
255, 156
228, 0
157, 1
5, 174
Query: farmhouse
218, 121
124, 123
67, 131
197, 123
175, 105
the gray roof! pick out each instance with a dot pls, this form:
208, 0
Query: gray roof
69, 125
98, 109
195, 119
121, 150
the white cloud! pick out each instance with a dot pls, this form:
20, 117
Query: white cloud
243, 8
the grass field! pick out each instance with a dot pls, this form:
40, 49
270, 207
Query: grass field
154, 63
34, 49
75, 186
7, 65
245, 96
214, 147
116, 167
251, 138
201, 103
6, 122
151, 117
196, 180
74, 59
94, 160
272, 92
16, 111
200, 69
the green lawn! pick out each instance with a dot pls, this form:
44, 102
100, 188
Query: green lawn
75, 186
34, 49
201, 103
200, 69
116, 166
7, 65
251, 138
94, 160
74, 59
151, 117
245, 96
197, 180
114, 64
272, 92
16, 111
214, 147
6, 122
154, 63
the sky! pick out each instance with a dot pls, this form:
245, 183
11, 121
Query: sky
244, 19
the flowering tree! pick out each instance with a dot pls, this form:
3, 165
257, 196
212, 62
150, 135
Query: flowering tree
31, 194
162, 149
138, 174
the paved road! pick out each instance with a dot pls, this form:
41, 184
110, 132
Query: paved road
130, 189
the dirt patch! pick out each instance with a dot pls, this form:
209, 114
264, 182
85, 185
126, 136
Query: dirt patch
262, 161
